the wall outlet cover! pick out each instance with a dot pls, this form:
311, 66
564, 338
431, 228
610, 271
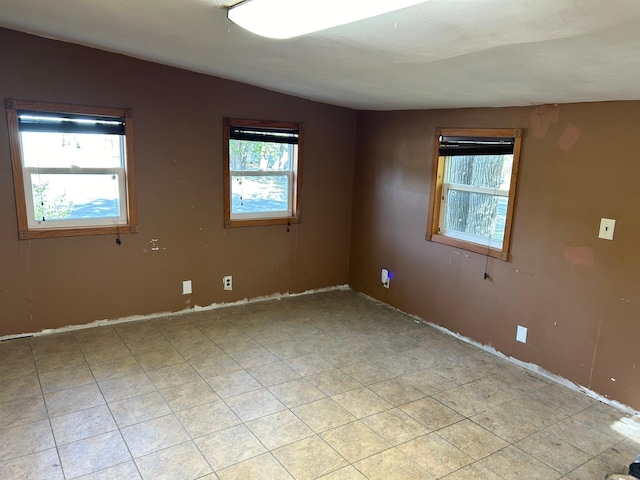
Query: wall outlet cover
521, 334
186, 287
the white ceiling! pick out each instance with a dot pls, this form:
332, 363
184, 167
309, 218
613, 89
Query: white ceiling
440, 54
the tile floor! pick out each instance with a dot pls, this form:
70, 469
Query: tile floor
331, 385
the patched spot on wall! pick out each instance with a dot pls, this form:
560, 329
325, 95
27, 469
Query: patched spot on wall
579, 256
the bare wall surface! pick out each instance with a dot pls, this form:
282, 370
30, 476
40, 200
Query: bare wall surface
49, 283
579, 296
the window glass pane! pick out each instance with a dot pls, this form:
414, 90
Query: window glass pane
476, 214
75, 196
488, 171
65, 150
249, 155
259, 194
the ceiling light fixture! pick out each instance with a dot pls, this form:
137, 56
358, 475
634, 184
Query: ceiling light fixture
283, 19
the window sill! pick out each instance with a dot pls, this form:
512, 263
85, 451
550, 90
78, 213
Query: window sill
471, 247
257, 222
77, 231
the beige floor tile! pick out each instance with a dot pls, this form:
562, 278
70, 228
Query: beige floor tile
309, 364
233, 384
209, 367
562, 399
39, 465
362, 402
521, 380
115, 368
20, 365
105, 352
512, 463
254, 357
436, 455
296, 392
345, 473
620, 455
397, 391
22, 412
139, 409
235, 343
476, 397
199, 351
73, 399
395, 426
62, 379
552, 451
126, 387
289, 349
475, 471
579, 435
262, 467
273, 374
189, 395
156, 359
341, 359
333, 382
609, 420
355, 441
25, 439
57, 362
429, 382
309, 458
93, 454
19, 387
173, 375
153, 435
594, 468
279, 429
431, 413
366, 373
472, 439
228, 447
323, 414
123, 471
82, 424
256, 404
392, 464
180, 462
208, 418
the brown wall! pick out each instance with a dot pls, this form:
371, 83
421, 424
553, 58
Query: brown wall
583, 316
48, 283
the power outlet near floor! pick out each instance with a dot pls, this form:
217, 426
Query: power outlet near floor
227, 282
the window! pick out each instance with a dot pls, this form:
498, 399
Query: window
72, 168
262, 172
473, 189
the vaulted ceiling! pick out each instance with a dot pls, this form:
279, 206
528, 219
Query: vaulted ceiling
439, 54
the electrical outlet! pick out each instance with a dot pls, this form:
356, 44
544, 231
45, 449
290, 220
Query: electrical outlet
385, 277
227, 282
186, 287
521, 334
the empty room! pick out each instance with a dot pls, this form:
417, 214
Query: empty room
301, 239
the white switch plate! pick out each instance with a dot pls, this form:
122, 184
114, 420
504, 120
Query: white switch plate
521, 334
607, 226
186, 287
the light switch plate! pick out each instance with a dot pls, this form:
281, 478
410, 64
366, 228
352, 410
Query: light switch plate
607, 226
186, 287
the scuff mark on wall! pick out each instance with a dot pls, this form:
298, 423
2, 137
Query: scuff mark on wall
569, 137
579, 256
542, 117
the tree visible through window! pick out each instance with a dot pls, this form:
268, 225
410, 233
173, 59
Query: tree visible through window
473, 189
262, 172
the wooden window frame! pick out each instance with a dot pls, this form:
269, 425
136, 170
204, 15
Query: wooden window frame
437, 180
296, 184
15, 145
